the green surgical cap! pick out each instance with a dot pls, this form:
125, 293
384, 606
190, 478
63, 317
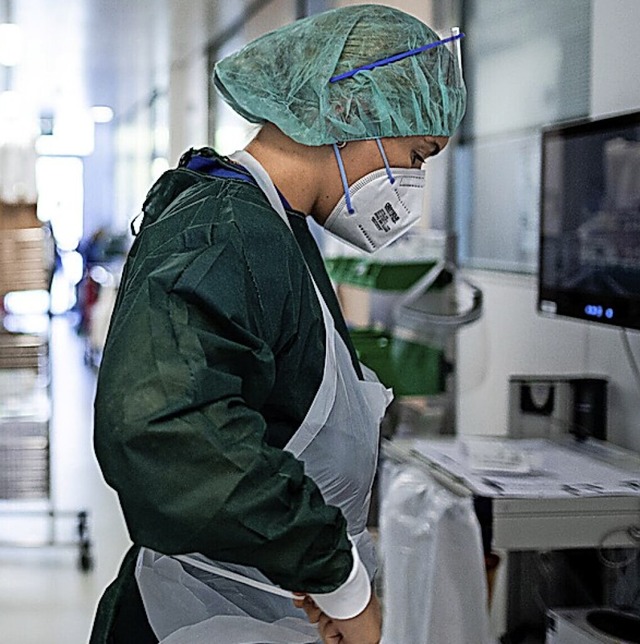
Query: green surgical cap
284, 78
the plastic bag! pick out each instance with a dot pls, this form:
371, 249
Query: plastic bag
435, 589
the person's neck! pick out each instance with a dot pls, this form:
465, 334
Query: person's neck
298, 171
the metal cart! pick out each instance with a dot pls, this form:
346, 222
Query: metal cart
25, 450
580, 496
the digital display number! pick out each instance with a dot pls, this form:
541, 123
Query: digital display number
597, 311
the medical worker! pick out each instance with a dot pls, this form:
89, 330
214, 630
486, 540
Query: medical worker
232, 416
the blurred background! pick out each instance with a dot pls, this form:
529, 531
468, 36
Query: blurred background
99, 97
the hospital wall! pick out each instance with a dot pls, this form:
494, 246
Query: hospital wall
511, 338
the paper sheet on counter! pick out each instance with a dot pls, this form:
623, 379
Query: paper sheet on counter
559, 471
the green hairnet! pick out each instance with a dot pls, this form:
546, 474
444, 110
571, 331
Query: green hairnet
283, 78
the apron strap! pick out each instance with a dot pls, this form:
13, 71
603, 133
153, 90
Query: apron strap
234, 576
263, 180
321, 405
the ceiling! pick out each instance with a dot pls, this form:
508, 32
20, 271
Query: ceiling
80, 53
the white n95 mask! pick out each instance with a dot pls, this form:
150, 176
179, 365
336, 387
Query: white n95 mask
379, 208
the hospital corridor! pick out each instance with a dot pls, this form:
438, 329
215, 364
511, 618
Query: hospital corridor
319, 322
46, 597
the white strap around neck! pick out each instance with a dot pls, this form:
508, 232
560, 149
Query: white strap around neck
263, 180
320, 407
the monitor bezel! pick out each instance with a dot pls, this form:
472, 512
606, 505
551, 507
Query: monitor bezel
571, 303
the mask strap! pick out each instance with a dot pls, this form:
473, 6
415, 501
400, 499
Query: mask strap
343, 176
386, 163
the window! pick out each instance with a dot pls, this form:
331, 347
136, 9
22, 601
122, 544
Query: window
527, 64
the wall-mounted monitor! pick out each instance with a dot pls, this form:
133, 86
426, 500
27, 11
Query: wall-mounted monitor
589, 263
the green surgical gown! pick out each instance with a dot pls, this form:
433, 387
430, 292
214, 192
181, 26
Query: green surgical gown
214, 355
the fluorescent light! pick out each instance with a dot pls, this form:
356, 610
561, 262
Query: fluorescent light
11, 44
27, 302
102, 114
73, 134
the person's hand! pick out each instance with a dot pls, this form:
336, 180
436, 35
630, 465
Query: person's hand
362, 629
365, 628
308, 606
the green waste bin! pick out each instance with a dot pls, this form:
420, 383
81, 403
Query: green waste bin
411, 369
376, 275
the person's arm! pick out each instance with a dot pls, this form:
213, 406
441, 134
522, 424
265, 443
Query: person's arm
180, 437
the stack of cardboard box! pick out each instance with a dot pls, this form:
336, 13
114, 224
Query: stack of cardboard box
24, 368
25, 255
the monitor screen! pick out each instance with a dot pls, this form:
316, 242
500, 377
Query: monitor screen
590, 221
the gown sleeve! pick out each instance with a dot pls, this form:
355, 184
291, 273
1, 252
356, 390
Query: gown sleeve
191, 357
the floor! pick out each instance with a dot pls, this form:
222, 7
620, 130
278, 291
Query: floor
44, 597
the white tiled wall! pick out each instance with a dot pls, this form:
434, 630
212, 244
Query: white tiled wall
511, 338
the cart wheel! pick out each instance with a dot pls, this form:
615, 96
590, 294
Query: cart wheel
82, 526
85, 563
85, 560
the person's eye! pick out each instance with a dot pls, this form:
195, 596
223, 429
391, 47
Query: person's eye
417, 159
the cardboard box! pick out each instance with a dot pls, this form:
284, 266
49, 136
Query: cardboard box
24, 260
21, 355
18, 215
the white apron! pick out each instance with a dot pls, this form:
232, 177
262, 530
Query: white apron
191, 599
